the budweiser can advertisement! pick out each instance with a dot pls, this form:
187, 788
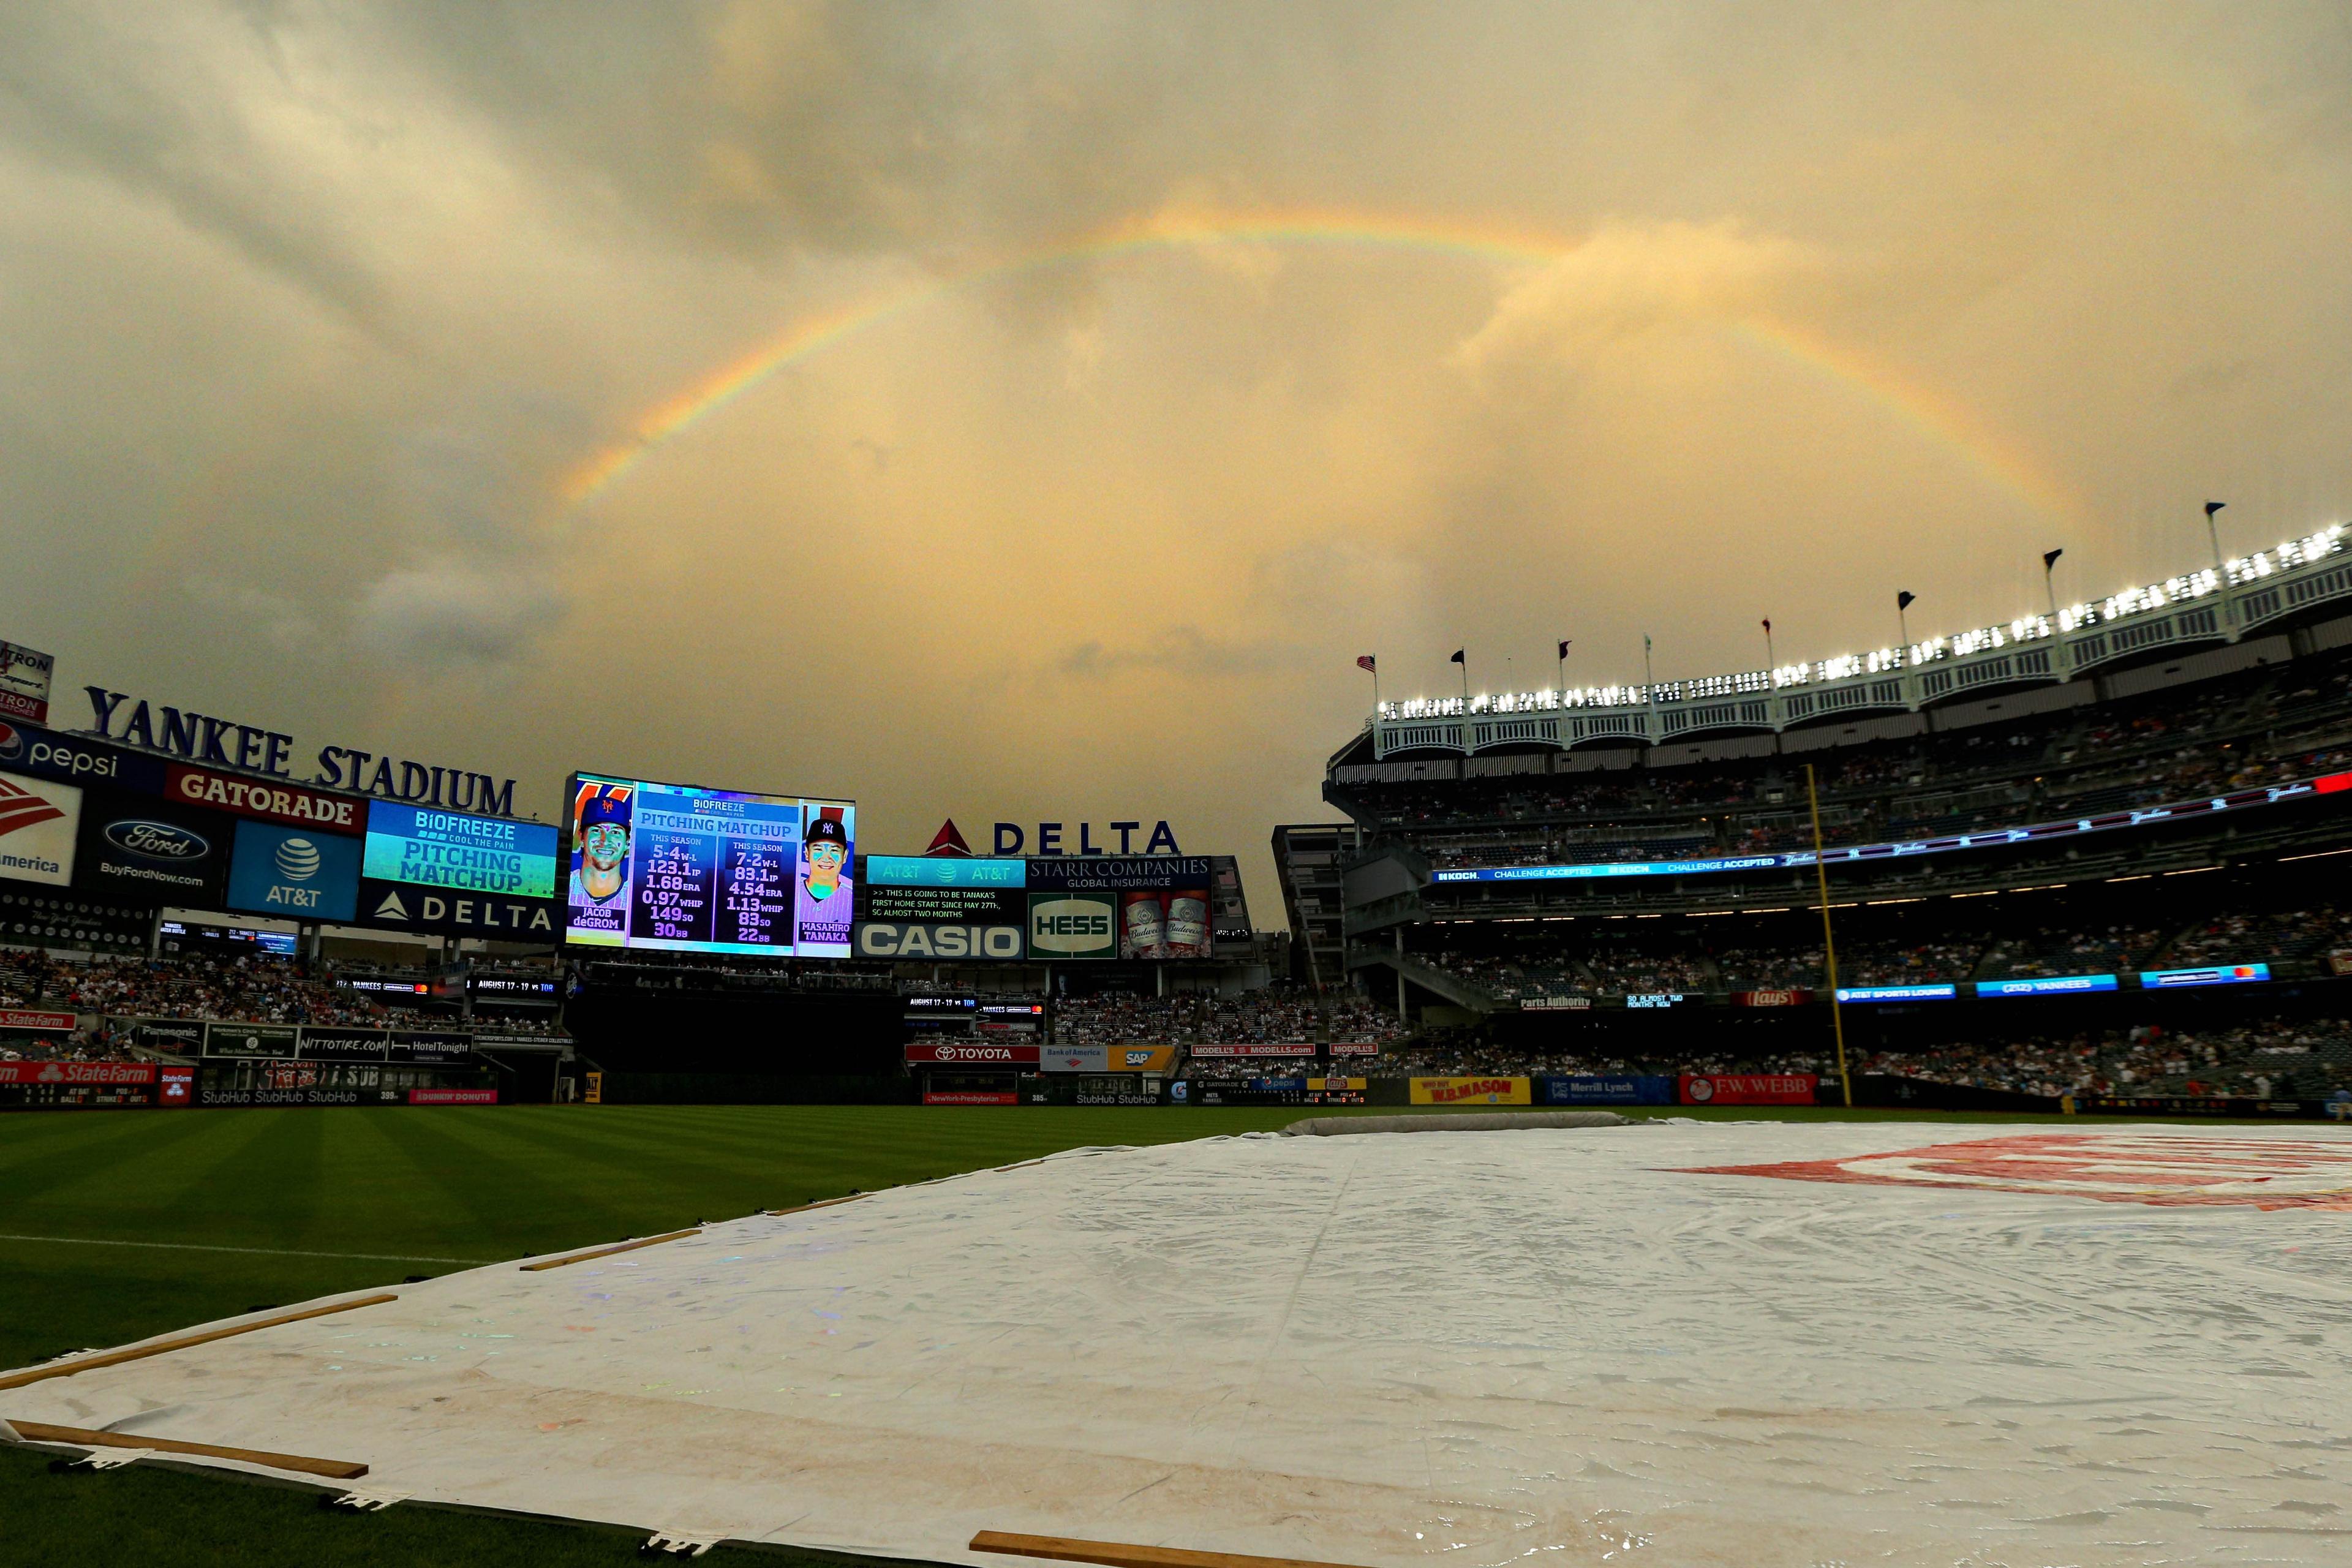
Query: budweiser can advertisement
1142, 926
1187, 925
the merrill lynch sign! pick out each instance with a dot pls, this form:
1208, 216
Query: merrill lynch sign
224, 743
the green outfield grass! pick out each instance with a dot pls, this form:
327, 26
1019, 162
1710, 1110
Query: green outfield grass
114, 1227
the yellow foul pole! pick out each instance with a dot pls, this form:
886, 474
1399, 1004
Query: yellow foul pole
1829, 938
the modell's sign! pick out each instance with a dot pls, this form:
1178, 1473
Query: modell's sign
25, 1018
1247, 1049
972, 1053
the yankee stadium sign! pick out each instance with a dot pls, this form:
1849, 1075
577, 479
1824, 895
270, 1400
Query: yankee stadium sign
223, 742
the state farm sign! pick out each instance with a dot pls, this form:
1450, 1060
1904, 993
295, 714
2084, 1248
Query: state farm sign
27, 1018
972, 1053
77, 1072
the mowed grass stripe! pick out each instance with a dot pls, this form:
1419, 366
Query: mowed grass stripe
252, 1251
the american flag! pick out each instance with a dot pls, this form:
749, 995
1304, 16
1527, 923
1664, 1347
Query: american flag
1364, 661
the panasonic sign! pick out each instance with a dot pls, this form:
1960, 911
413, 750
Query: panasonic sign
897, 938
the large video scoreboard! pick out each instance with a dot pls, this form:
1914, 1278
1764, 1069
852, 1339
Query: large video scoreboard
678, 868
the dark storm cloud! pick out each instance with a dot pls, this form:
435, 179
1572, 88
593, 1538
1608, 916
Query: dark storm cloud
309, 312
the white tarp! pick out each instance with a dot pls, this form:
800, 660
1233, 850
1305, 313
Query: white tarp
2076, 1344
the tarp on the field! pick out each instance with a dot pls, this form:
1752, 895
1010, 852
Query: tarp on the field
1872, 1343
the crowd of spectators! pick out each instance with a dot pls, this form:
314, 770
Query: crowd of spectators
2110, 948
248, 988
1284, 1012
2257, 728
2266, 1059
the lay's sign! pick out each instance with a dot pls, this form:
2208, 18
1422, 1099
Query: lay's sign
1470, 1091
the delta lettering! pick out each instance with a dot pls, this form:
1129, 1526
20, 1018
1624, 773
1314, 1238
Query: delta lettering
1011, 837
222, 742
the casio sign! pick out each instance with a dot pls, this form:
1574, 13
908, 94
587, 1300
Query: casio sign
157, 840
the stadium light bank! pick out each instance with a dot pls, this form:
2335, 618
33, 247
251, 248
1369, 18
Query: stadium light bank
2240, 575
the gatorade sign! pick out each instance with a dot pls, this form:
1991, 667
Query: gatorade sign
1072, 925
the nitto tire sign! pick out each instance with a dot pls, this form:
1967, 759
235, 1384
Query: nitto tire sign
1072, 926
899, 939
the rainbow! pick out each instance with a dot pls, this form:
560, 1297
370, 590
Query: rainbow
1934, 416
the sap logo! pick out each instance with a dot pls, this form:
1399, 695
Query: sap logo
157, 840
878, 939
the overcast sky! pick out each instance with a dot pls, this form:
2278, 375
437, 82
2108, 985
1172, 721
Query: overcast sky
324, 331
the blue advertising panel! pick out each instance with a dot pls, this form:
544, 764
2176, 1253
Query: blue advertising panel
2212, 974
944, 871
300, 873
29, 748
2046, 986
680, 870
459, 852
1631, 1088
1897, 993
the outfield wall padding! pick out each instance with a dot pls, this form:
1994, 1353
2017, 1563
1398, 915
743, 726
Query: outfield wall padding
1462, 1121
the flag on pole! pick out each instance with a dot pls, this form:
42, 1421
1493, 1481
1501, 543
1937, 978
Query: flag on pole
1767, 626
2049, 557
1365, 662
1458, 658
1906, 598
1563, 646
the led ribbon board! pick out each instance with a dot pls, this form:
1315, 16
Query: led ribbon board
2041, 832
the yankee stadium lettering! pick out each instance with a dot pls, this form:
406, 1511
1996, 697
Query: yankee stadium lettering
224, 743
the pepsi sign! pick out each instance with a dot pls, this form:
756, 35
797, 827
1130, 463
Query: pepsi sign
29, 748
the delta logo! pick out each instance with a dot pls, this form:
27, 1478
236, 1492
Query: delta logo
20, 808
